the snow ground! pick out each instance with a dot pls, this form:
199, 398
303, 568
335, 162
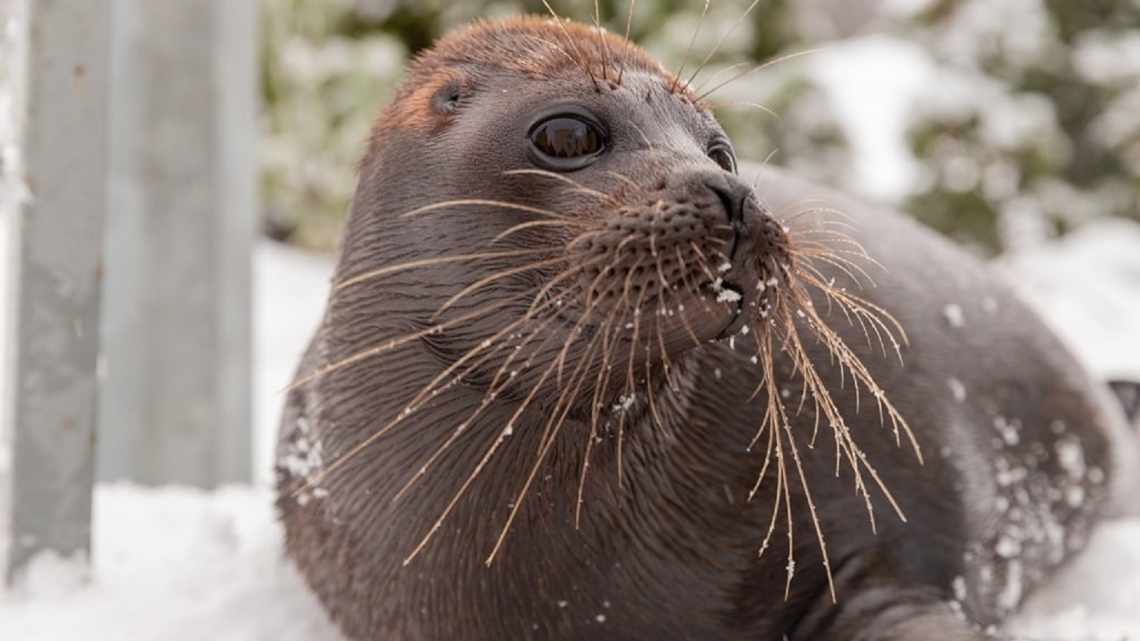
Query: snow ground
176, 564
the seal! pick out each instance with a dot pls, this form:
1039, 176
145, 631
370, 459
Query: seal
581, 376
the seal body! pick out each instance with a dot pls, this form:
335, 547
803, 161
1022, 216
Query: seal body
402, 452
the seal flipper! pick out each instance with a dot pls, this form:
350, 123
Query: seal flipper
1128, 393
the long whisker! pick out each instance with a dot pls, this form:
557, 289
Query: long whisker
591, 305
721, 40
507, 431
493, 389
532, 224
628, 28
623, 178
565, 275
429, 262
483, 282
489, 203
595, 409
573, 43
565, 403
391, 344
412, 406
644, 138
689, 49
557, 47
756, 69
719, 72
559, 177
629, 19
605, 48
754, 105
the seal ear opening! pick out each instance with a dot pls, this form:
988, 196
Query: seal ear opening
445, 100
1128, 394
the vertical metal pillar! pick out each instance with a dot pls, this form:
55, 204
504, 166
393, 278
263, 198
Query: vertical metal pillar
54, 267
176, 402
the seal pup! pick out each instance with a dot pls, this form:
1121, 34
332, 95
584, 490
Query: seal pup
583, 377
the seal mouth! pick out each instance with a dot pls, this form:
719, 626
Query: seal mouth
731, 289
739, 318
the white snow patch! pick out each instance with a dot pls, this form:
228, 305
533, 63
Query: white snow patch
1088, 290
290, 289
954, 315
871, 83
957, 389
171, 564
1095, 598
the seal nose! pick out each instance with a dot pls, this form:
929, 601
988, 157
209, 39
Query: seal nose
732, 192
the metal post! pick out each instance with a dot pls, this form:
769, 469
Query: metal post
177, 325
55, 271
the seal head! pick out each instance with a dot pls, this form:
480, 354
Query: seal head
571, 145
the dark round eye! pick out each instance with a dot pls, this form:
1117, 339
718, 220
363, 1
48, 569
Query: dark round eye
722, 154
566, 142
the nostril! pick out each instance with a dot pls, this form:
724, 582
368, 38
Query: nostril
732, 196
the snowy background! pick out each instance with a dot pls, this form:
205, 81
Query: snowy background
177, 564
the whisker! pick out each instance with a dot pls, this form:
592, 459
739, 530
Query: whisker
584, 236
628, 28
823, 207
507, 430
852, 271
605, 49
756, 69
661, 306
532, 224
564, 402
429, 262
644, 138
692, 289
719, 73
568, 273
493, 390
629, 19
411, 407
702, 261
754, 105
555, 176
489, 203
595, 410
573, 43
557, 47
623, 177
722, 39
389, 345
689, 49
591, 305
483, 282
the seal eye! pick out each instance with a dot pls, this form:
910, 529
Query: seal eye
566, 142
721, 153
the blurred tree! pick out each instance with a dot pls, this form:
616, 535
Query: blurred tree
1036, 128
